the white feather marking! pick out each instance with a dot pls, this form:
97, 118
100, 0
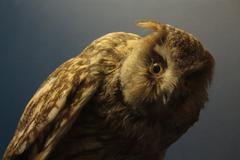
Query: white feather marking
61, 101
45, 88
64, 121
162, 51
32, 125
22, 147
38, 107
52, 113
170, 80
96, 59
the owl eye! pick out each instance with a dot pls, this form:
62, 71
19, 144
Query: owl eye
156, 68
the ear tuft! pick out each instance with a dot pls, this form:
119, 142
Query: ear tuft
150, 24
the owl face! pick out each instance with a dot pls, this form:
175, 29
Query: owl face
165, 69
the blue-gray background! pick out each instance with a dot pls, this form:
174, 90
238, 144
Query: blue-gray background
37, 36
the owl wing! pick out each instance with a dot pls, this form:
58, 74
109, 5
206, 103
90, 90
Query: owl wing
56, 103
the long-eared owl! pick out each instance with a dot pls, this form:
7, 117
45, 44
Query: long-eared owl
125, 97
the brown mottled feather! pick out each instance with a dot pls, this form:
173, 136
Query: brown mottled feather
60, 98
50, 101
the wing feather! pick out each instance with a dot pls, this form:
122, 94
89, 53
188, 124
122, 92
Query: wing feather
72, 80
60, 98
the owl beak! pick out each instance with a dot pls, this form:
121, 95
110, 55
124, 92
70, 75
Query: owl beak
167, 95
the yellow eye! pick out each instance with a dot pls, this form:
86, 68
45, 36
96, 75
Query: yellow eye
156, 68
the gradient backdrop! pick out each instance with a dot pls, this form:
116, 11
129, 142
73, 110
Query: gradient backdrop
37, 36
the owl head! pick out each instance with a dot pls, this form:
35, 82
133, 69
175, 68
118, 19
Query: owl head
167, 69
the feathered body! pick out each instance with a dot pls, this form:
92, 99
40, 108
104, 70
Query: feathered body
124, 97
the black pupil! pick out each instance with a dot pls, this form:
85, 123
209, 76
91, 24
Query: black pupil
156, 68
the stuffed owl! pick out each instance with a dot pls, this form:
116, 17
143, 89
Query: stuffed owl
125, 97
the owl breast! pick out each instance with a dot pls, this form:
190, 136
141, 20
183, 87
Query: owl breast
92, 137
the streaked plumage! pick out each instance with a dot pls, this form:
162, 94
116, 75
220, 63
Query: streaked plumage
124, 97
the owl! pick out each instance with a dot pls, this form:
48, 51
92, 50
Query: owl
125, 97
